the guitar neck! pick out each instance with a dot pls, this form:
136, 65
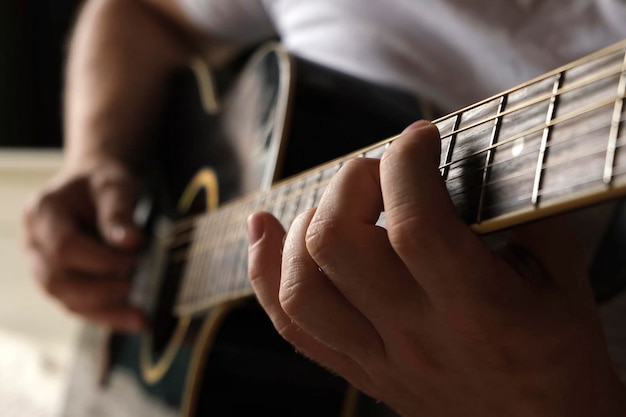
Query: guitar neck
546, 147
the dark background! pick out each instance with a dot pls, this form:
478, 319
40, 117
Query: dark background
33, 40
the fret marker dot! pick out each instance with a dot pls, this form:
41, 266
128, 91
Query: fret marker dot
518, 147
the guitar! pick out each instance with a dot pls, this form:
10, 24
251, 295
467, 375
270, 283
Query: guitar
546, 147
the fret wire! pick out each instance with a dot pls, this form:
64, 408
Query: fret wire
554, 122
489, 158
615, 126
545, 138
448, 158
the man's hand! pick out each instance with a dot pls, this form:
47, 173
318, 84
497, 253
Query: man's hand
423, 315
82, 243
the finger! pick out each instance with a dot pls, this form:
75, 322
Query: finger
423, 226
315, 304
266, 236
355, 254
115, 195
78, 292
65, 246
54, 227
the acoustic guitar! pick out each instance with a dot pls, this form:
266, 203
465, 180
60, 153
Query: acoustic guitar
548, 146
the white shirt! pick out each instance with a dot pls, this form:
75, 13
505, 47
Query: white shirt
450, 52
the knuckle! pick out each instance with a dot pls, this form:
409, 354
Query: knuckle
321, 238
409, 234
292, 294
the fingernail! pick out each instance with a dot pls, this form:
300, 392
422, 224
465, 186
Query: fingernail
417, 125
256, 229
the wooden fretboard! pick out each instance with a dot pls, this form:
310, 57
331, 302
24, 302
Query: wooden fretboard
548, 146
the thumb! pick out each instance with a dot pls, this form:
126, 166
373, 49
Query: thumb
115, 200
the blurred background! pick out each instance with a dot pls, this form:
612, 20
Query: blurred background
37, 338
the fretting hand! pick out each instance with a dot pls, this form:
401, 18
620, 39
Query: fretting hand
423, 315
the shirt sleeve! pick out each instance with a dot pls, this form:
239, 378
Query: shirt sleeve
241, 21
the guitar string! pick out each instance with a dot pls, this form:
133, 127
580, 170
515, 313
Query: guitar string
202, 248
238, 284
180, 236
286, 199
188, 221
528, 151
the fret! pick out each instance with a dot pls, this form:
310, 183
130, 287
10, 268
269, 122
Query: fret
445, 171
213, 251
309, 191
240, 267
292, 197
201, 261
615, 127
232, 250
324, 179
489, 157
233, 228
545, 137
513, 165
467, 160
276, 202
581, 125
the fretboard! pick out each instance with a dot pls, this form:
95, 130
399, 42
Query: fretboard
548, 146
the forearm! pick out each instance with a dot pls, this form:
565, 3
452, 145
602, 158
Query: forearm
121, 54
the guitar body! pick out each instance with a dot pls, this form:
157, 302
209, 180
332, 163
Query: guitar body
280, 116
